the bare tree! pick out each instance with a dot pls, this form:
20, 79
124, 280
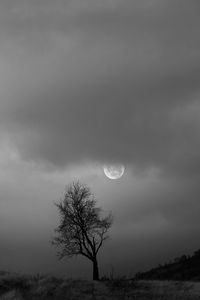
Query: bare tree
82, 229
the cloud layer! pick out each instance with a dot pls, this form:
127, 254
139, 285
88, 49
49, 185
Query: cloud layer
102, 82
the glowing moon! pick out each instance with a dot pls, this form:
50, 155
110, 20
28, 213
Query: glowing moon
114, 171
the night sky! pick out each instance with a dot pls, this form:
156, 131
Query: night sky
85, 83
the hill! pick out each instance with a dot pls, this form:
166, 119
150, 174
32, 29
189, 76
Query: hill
182, 268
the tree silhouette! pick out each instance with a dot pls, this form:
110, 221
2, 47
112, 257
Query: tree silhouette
82, 229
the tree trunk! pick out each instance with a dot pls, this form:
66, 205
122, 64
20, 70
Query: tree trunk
95, 270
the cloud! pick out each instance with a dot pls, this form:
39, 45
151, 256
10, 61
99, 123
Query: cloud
86, 82
102, 82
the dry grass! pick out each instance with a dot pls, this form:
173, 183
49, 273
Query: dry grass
15, 287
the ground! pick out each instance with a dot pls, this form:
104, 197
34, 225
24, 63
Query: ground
15, 287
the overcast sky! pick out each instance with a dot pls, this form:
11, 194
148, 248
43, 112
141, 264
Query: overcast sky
89, 82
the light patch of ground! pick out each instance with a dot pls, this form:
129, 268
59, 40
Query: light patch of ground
11, 295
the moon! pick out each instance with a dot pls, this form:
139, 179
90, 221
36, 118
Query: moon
114, 171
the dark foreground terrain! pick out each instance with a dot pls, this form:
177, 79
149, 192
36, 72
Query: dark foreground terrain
17, 287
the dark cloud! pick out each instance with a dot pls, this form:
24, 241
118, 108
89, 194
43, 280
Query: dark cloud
111, 91
109, 88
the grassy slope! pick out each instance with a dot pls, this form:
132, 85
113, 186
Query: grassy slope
16, 287
182, 268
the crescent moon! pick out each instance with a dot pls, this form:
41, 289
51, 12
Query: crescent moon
114, 171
